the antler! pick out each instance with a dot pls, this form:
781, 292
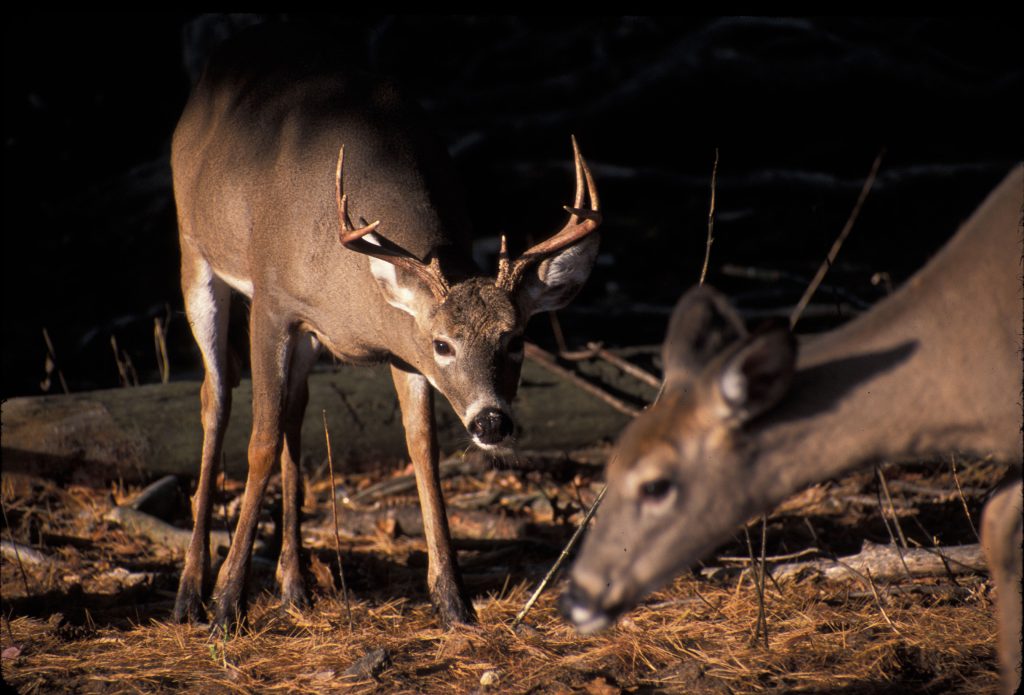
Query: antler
581, 223
385, 250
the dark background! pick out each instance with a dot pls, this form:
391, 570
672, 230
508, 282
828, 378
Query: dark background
799, 108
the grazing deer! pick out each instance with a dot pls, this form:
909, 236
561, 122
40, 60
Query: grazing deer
743, 423
264, 199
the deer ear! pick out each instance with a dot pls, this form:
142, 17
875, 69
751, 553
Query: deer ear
757, 374
400, 289
553, 283
703, 325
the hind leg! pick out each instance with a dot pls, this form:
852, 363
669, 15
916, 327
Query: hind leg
289, 574
207, 300
1001, 537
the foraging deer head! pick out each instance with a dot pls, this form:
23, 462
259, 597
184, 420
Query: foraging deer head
676, 469
468, 338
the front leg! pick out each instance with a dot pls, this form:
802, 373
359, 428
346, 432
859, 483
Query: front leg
272, 342
443, 579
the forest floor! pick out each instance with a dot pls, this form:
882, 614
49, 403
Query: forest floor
87, 602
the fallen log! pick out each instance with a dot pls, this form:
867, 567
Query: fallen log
880, 562
144, 432
19, 552
884, 564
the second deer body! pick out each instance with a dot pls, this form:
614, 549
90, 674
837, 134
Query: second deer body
743, 422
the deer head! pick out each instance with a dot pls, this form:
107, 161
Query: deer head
678, 474
469, 334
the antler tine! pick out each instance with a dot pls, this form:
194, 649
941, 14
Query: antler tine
379, 247
348, 234
581, 223
578, 160
503, 262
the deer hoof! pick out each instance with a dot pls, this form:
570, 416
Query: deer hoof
188, 606
294, 595
453, 608
228, 613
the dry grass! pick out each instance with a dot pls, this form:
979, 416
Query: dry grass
80, 629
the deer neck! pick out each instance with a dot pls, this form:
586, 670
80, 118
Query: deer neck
932, 369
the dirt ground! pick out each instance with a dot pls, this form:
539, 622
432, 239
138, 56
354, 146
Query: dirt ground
89, 610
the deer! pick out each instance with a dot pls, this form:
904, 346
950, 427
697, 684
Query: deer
745, 419
280, 146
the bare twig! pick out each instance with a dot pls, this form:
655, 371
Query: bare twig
334, 511
938, 551
838, 243
160, 344
625, 365
963, 500
17, 555
596, 349
758, 570
771, 558
878, 601
561, 559
711, 219
902, 545
546, 360
556, 329
125, 368
52, 365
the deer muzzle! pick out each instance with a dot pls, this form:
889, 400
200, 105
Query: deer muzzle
585, 611
491, 427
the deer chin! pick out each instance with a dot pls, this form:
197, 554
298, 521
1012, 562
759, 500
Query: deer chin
505, 447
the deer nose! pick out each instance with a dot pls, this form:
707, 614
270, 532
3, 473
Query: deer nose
491, 426
583, 610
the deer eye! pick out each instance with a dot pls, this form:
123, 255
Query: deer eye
443, 348
654, 490
515, 344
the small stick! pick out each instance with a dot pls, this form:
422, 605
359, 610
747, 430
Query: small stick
53, 358
773, 558
938, 551
17, 555
902, 545
711, 219
125, 368
160, 343
878, 601
546, 360
561, 559
963, 500
556, 329
838, 243
892, 507
625, 365
758, 570
334, 510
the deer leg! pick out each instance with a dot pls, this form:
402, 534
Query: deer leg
443, 579
272, 343
207, 301
289, 572
1001, 538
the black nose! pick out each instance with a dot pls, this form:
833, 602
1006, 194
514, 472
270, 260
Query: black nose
491, 426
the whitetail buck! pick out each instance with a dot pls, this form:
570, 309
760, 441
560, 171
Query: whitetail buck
743, 423
263, 210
